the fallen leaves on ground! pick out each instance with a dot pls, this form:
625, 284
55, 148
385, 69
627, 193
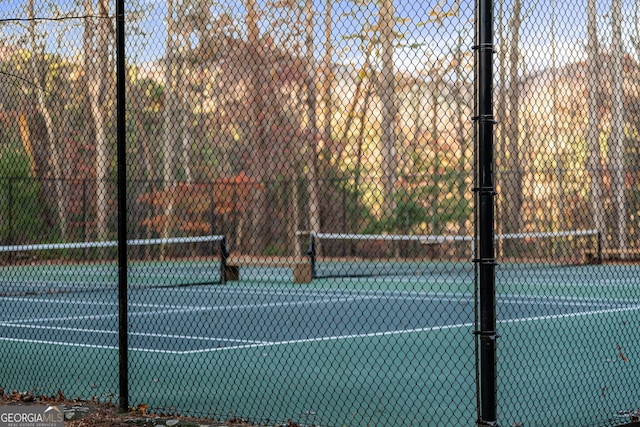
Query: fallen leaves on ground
102, 414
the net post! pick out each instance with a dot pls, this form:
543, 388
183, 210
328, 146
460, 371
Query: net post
213, 210
10, 216
224, 255
598, 247
312, 254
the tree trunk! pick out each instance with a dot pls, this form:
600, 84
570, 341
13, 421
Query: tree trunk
168, 129
185, 132
313, 134
182, 88
327, 80
558, 148
616, 142
96, 48
386, 94
593, 121
97, 91
461, 130
256, 123
513, 180
145, 176
501, 122
52, 142
368, 92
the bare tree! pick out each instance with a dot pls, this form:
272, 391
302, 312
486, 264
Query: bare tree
170, 114
313, 133
616, 141
387, 96
557, 210
513, 181
192, 17
37, 54
256, 121
96, 64
327, 79
593, 120
501, 107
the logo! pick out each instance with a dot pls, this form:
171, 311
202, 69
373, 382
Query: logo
31, 416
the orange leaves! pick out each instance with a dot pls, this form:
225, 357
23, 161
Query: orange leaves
192, 227
180, 190
227, 194
234, 193
188, 206
29, 396
142, 408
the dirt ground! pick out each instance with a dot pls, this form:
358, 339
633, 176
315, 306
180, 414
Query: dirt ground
98, 414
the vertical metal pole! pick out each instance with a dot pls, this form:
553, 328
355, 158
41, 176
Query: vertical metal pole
85, 238
123, 338
485, 193
224, 254
10, 214
599, 247
213, 209
312, 254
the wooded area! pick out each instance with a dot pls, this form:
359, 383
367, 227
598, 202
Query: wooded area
261, 121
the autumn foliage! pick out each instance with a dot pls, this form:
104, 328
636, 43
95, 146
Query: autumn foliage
190, 206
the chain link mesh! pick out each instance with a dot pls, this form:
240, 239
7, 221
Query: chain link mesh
300, 190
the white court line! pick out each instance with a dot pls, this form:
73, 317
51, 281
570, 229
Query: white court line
330, 338
200, 309
62, 343
409, 331
82, 302
569, 303
55, 301
251, 291
629, 282
246, 346
228, 291
139, 334
568, 315
441, 296
553, 298
397, 294
422, 294
81, 345
334, 338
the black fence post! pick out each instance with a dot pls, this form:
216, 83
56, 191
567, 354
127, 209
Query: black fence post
485, 193
121, 136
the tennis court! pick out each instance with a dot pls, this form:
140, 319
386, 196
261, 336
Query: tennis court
365, 351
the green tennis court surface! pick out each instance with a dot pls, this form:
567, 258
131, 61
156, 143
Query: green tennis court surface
357, 352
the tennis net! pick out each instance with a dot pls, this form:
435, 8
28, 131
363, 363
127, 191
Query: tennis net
92, 266
370, 255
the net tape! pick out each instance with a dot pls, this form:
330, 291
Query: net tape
73, 275
331, 265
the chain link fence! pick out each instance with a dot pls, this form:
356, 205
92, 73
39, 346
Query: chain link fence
302, 227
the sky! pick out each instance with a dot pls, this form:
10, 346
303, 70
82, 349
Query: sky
423, 42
